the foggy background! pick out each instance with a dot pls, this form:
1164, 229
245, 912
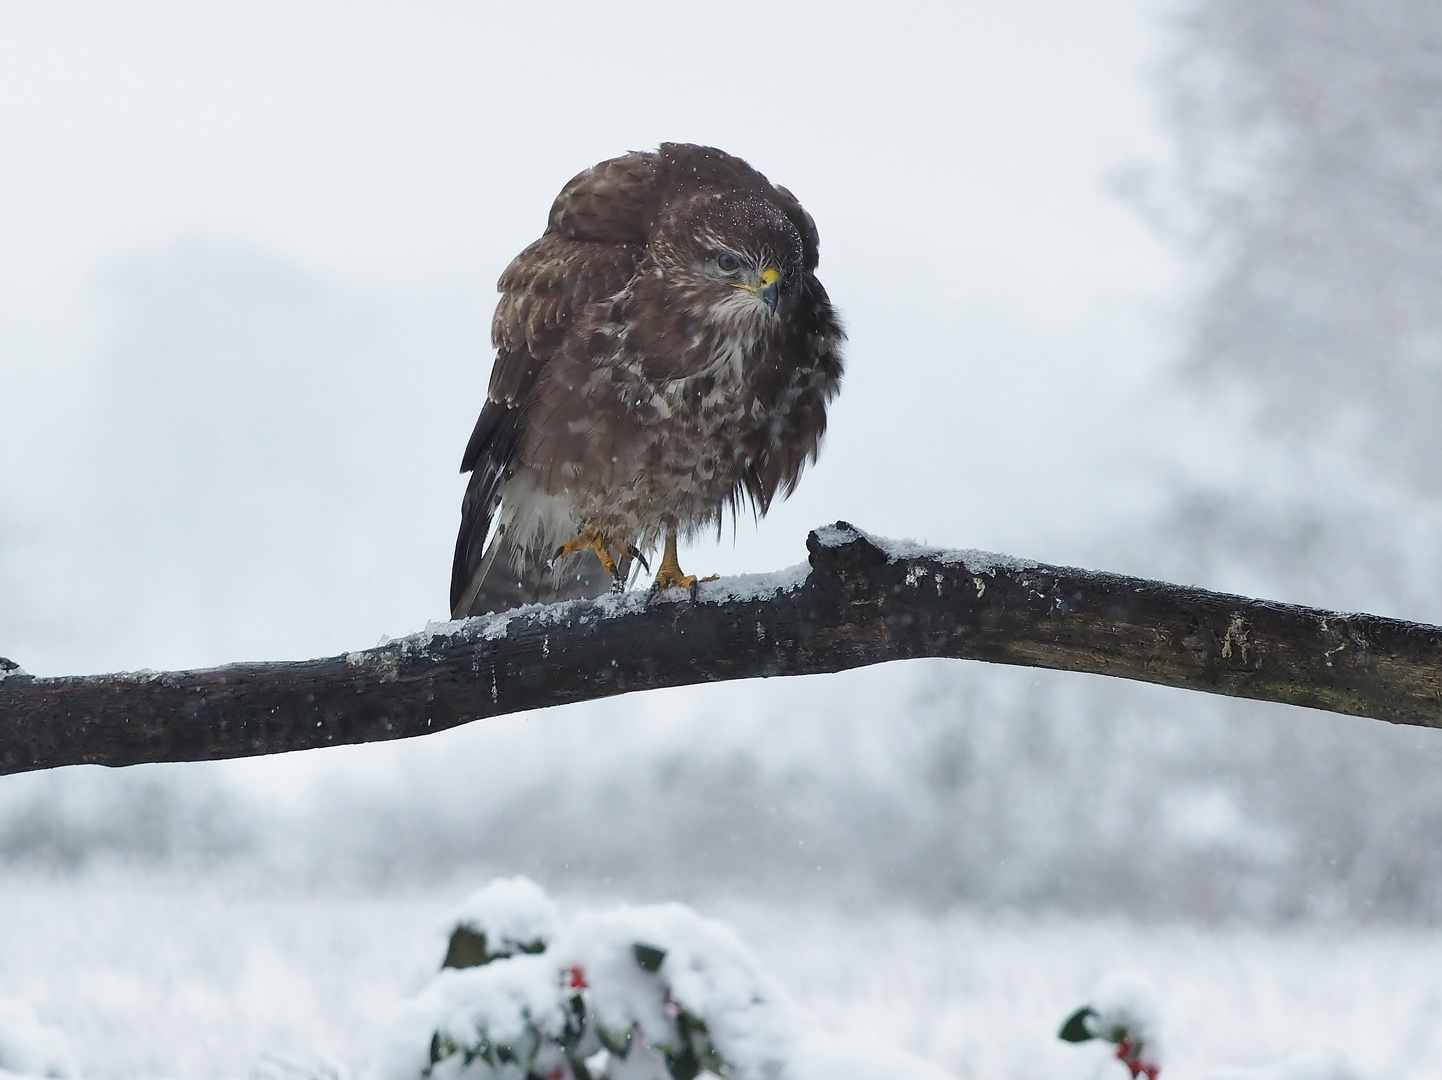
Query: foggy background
1163, 304
1149, 288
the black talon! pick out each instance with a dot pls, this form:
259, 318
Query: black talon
635, 553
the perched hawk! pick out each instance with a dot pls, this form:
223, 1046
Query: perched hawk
664, 353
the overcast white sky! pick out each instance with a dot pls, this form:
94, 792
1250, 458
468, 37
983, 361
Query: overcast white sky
249, 254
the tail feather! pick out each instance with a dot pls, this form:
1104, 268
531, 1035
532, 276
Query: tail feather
490, 572
478, 511
508, 577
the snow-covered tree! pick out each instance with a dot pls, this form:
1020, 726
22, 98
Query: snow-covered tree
1310, 153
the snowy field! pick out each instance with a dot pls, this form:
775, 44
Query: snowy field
175, 975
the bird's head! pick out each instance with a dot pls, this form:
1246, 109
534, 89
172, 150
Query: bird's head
737, 253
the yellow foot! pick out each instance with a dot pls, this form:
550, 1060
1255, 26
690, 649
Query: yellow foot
669, 574
590, 538
690, 582
670, 577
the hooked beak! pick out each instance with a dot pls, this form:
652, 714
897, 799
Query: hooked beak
769, 288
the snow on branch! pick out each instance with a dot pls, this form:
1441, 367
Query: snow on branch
862, 600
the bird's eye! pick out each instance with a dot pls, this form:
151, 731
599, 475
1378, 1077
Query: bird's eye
728, 262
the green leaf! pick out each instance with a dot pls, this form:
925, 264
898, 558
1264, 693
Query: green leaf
682, 1065
575, 1027
618, 1042
1076, 1029
467, 949
648, 957
442, 1046
705, 1050
697, 1053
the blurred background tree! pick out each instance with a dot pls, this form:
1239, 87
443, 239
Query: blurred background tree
1302, 191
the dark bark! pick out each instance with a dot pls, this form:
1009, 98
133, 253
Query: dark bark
863, 602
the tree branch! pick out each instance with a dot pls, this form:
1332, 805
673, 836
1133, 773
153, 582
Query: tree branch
862, 601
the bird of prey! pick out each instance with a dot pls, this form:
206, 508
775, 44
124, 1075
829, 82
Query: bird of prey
664, 354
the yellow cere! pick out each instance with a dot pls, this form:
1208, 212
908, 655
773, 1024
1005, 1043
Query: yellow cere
768, 276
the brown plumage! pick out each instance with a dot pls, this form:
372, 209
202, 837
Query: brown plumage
664, 353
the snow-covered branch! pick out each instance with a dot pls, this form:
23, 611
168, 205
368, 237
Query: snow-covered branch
861, 600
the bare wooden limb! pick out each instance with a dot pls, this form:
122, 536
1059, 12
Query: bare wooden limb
863, 601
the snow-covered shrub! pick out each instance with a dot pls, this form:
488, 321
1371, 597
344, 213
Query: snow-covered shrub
634, 993
508, 916
1122, 1012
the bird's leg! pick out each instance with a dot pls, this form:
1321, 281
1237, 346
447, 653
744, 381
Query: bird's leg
597, 542
669, 573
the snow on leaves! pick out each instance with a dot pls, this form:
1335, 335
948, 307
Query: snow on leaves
634, 993
1123, 1012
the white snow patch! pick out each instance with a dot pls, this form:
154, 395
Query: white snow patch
737, 588
28, 1048
987, 562
1126, 1005
742, 587
1125, 1001
8, 668
1303, 1067
496, 626
832, 536
303, 1066
187, 975
511, 912
500, 1001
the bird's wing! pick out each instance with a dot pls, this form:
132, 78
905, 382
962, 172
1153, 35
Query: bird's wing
588, 254
797, 382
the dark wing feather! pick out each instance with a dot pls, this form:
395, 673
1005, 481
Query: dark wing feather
588, 254
492, 445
